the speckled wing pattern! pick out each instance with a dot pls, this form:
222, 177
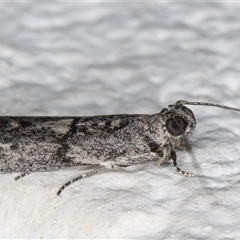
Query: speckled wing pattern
48, 143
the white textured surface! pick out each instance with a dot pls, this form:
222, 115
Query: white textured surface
102, 58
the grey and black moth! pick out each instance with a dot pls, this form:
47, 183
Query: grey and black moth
29, 144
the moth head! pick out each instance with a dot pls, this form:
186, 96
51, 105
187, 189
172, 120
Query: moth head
179, 120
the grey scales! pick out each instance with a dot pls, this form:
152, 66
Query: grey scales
29, 144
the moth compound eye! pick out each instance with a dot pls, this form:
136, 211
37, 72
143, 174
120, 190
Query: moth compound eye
176, 126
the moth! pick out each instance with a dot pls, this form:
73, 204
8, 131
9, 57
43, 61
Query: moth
29, 144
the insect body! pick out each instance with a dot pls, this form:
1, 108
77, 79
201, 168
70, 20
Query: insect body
30, 144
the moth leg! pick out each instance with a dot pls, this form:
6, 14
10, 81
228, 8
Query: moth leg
21, 176
87, 174
163, 156
173, 161
182, 144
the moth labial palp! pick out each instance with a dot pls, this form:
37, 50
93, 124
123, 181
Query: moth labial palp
29, 144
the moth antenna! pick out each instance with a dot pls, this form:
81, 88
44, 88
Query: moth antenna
184, 102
